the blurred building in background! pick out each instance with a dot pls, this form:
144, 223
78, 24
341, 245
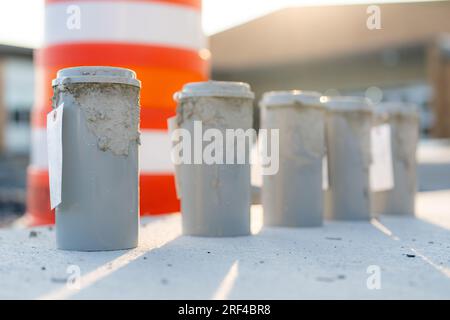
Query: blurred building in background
331, 49
16, 98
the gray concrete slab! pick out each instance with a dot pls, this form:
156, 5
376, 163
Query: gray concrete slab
331, 262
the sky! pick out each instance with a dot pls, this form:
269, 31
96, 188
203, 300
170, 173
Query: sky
22, 21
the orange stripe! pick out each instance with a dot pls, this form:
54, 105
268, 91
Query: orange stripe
121, 55
197, 4
155, 118
159, 85
157, 194
38, 197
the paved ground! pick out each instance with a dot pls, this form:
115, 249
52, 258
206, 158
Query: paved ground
331, 262
337, 261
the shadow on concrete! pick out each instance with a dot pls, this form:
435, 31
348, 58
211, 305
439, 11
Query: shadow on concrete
95, 266
184, 268
328, 262
164, 266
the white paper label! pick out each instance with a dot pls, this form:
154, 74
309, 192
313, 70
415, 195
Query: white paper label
54, 147
381, 168
325, 180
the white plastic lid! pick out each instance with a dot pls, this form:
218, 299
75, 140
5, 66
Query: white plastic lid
96, 75
347, 103
279, 98
215, 89
400, 108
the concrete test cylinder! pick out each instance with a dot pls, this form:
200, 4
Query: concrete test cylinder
99, 192
404, 122
293, 197
215, 195
348, 132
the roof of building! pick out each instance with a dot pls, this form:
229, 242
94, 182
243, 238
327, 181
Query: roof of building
7, 50
300, 34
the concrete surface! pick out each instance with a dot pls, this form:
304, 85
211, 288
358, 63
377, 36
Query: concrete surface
332, 262
329, 262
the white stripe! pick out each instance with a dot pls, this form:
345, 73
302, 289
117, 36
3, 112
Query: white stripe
39, 158
154, 152
126, 22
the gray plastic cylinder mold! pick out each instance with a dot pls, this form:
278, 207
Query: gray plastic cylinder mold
293, 197
348, 127
404, 121
100, 137
215, 198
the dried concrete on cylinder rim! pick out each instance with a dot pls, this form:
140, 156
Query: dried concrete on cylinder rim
113, 118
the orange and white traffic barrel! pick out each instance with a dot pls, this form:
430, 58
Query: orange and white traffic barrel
161, 40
